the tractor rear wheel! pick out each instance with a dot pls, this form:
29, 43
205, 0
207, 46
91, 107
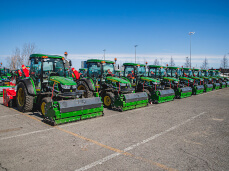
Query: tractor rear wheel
108, 99
44, 101
23, 99
83, 86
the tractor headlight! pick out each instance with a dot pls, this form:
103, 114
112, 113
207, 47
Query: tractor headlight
65, 86
124, 85
74, 86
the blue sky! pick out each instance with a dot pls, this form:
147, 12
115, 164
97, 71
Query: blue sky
84, 28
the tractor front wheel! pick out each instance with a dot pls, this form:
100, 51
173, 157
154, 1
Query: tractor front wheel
87, 92
23, 99
44, 101
108, 99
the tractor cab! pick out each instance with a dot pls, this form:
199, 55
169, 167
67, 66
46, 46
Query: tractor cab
45, 70
156, 71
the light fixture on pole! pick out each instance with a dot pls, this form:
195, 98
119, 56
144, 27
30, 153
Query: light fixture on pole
191, 33
135, 51
104, 50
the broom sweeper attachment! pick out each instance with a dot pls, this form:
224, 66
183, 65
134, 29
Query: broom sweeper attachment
63, 111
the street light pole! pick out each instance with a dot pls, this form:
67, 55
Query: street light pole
135, 51
104, 53
191, 33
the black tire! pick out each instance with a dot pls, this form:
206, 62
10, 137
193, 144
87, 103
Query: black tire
108, 99
44, 101
83, 86
25, 101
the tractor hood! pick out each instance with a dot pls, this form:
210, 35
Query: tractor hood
186, 78
197, 78
148, 79
62, 80
116, 79
171, 79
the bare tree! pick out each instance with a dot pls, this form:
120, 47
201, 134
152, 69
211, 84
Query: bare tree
205, 63
224, 63
156, 62
171, 62
161, 60
20, 57
14, 59
187, 62
27, 50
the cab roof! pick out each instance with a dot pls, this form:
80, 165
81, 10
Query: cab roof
45, 56
99, 60
187, 68
171, 67
156, 66
130, 64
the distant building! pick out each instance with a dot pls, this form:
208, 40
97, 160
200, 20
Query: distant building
83, 64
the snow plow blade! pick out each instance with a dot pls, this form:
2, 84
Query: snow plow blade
64, 111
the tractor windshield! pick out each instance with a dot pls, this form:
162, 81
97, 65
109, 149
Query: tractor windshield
187, 72
212, 73
108, 68
197, 73
172, 72
53, 66
94, 69
129, 71
205, 73
142, 70
217, 73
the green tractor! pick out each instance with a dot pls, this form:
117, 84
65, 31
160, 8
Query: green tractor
5, 78
197, 84
224, 79
208, 86
142, 82
183, 88
216, 74
213, 80
55, 95
116, 93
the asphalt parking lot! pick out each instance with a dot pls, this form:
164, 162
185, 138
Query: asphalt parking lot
185, 134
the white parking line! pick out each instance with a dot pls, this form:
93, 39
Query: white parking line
34, 132
9, 115
101, 161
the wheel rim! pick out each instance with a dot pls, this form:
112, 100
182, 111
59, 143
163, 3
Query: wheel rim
21, 97
43, 108
82, 87
107, 101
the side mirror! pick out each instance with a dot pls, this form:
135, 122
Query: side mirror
36, 61
118, 66
70, 63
